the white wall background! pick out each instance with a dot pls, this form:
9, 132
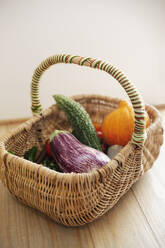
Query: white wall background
130, 34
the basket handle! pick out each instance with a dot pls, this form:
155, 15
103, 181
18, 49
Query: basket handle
139, 133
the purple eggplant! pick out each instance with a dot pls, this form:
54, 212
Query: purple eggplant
73, 156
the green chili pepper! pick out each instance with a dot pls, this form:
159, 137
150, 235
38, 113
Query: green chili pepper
11, 152
31, 154
51, 164
47, 162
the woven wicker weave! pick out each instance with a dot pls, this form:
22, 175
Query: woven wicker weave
75, 199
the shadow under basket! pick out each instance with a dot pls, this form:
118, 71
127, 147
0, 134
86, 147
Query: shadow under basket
74, 199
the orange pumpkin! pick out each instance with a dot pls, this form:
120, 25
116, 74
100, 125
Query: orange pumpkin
118, 126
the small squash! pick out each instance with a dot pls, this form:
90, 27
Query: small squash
118, 126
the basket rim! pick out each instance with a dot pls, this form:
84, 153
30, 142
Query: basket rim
111, 166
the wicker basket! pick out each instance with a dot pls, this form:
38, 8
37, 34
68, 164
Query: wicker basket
75, 199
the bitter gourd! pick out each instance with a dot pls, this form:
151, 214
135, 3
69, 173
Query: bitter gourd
80, 120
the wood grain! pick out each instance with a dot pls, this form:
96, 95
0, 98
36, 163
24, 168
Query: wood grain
150, 194
136, 221
24, 227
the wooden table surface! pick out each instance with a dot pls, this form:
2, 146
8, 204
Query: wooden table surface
137, 221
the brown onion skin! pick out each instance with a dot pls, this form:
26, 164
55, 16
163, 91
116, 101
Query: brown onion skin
73, 156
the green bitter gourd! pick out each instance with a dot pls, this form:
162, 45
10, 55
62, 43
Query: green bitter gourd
80, 120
